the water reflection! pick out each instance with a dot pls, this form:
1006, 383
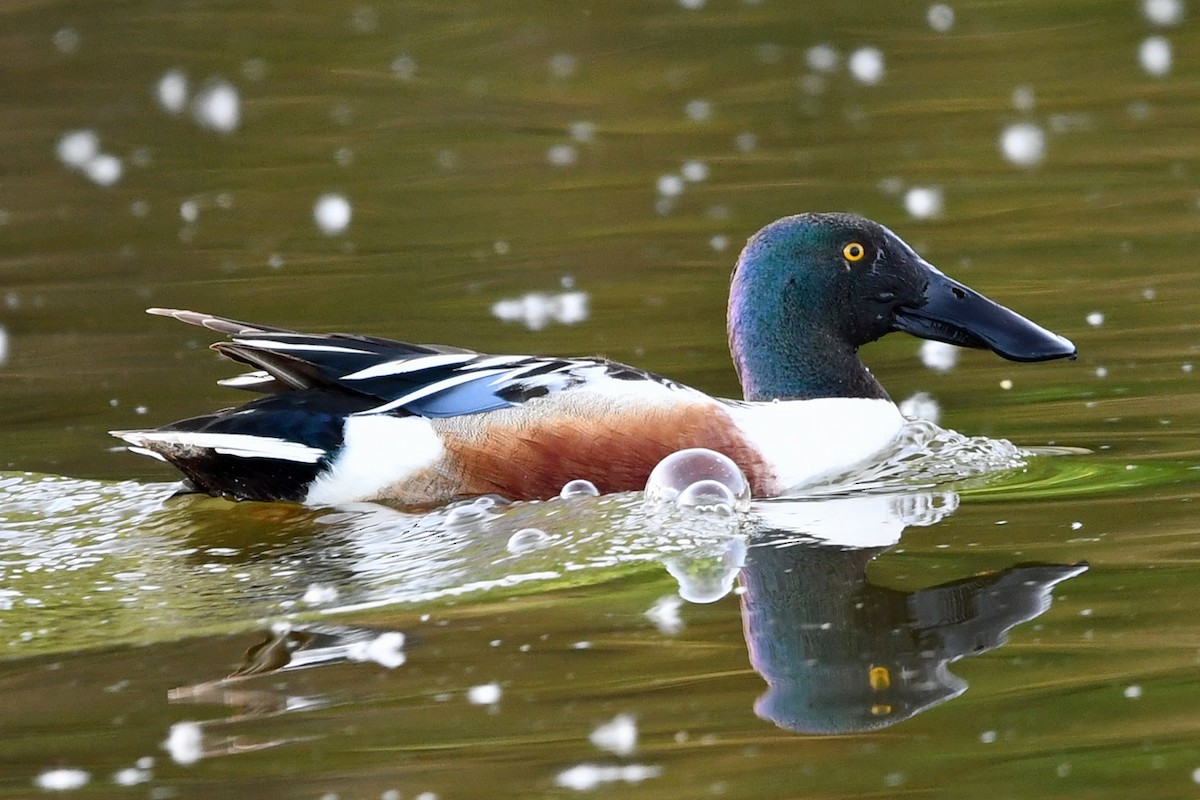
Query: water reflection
841, 654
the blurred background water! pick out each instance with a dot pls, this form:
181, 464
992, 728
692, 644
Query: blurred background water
577, 178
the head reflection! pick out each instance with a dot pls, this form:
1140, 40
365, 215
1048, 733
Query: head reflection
842, 655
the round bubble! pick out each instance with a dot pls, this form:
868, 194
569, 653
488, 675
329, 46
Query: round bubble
579, 488
678, 471
527, 539
461, 516
708, 496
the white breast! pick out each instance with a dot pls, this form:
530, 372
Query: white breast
808, 441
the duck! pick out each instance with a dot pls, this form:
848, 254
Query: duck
346, 418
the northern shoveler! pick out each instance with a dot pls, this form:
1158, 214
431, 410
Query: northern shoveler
348, 418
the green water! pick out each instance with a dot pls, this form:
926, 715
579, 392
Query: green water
493, 150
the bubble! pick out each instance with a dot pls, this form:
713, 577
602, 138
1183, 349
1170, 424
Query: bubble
939, 356
923, 202
1023, 98
746, 142
578, 488
866, 65
561, 155
940, 17
583, 131
1163, 12
218, 107
708, 496
404, 67
77, 148
698, 110
719, 243
1095, 319
527, 539
465, 515
676, 473
332, 214
669, 185
821, 58
1154, 54
66, 40
1023, 144
171, 91
104, 169
693, 171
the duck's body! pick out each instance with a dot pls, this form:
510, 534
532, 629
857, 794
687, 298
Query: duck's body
351, 418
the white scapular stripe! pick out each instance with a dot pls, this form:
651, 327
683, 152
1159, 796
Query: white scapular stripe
403, 365
432, 388
247, 379
240, 445
377, 452
496, 361
271, 344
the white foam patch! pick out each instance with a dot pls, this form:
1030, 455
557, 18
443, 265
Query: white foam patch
387, 650
378, 451
185, 743
585, 777
805, 441
536, 310
485, 694
229, 444
665, 614
619, 735
62, 780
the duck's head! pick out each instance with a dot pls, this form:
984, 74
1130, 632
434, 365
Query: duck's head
809, 290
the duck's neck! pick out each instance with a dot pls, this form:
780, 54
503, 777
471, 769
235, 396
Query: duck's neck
783, 351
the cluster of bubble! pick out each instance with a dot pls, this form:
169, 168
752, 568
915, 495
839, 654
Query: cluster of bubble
217, 106
670, 186
536, 310
80, 150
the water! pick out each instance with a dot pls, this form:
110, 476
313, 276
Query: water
972, 617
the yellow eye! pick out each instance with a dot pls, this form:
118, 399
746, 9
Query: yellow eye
854, 251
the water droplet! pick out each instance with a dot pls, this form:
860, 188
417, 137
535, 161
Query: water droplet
579, 488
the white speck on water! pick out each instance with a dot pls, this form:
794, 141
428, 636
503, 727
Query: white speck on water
536, 310
1006, 384
821, 58
987, 737
254, 69
1076, 526
1148, 293
344, 156
66, 41
1133, 692
866, 65
923, 202
131, 776
1101, 372
561, 155
893, 779
665, 614
583, 131
618, 735
391, 794
386, 650
217, 107
1196, 775
139, 208
1163, 13
1062, 770
104, 169
669, 185
892, 185
1023, 98
63, 779
1023, 144
746, 142
185, 743
332, 214
1187, 367
563, 65
921, 405
189, 211
404, 67
693, 171
316, 594
698, 110
77, 148
1085, 612
768, 53
691, 5
1095, 319
1154, 54
939, 356
364, 19
485, 694
3, 361
171, 91
940, 17
585, 777
719, 243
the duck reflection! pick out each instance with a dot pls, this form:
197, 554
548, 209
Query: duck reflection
843, 655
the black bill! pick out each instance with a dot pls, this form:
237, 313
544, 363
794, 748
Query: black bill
956, 314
